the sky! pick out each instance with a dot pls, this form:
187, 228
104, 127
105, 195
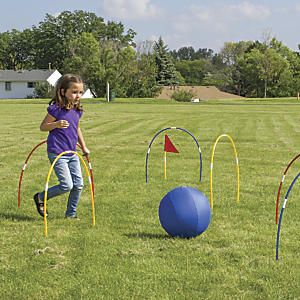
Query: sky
196, 23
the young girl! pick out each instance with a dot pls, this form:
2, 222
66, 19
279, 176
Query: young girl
62, 122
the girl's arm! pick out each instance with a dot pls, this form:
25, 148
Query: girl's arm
81, 141
50, 123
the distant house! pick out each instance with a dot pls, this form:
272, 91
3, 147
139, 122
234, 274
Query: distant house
21, 83
88, 94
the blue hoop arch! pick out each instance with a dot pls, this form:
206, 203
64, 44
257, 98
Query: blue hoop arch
177, 128
281, 214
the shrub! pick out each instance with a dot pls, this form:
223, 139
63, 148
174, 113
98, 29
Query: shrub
182, 96
42, 90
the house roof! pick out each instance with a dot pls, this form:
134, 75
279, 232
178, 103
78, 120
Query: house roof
25, 75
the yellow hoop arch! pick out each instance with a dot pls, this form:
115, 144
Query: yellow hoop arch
212, 164
47, 182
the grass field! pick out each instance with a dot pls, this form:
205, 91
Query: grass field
128, 255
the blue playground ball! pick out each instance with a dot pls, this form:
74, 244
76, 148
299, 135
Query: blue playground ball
184, 212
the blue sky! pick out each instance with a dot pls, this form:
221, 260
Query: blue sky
197, 23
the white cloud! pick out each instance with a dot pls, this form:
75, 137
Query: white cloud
202, 14
250, 11
297, 7
130, 9
198, 18
217, 20
211, 25
243, 10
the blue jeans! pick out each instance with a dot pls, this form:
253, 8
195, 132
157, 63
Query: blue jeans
68, 172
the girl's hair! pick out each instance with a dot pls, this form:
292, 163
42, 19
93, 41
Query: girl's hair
64, 83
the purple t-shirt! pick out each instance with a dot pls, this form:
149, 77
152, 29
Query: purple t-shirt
63, 139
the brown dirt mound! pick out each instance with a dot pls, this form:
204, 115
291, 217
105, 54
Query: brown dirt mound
200, 92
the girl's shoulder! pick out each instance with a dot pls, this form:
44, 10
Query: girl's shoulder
53, 108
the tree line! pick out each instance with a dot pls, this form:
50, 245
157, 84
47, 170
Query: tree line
81, 42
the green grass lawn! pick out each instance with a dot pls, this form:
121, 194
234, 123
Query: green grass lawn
128, 255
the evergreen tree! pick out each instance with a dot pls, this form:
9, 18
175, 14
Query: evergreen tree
166, 71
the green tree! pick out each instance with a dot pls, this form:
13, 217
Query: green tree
184, 53
55, 33
108, 59
84, 59
231, 54
16, 50
292, 84
203, 53
189, 53
116, 32
194, 71
119, 64
166, 72
143, 83
5, 59
265, 70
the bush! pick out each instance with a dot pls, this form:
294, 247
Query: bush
43, 90
183, 96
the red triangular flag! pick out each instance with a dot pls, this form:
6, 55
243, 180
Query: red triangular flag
169, 147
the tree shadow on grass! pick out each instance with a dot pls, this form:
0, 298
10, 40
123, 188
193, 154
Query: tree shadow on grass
15, 217
147, 235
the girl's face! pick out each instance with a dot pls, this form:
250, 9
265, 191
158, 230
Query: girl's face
74, 92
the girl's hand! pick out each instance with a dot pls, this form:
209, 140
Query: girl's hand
85, 151
62, 124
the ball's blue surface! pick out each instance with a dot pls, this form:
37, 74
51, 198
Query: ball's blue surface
184, 212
